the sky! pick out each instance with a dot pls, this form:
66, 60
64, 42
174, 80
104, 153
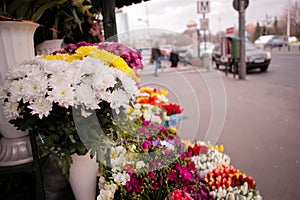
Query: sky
175, 14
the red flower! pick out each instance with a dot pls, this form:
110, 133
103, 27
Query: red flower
172, 108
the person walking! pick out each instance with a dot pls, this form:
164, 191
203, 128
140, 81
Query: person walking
174, 58
156, 57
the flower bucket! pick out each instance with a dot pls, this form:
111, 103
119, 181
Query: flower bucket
173, 121
83, 177
49, 46
16, 46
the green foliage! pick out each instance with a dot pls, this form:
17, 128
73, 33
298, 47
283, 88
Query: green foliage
65, 132
27, 9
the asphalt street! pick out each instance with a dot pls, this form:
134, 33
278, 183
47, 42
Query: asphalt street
260, 124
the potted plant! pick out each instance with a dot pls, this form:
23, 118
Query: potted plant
17, 27
60, 24
58, 19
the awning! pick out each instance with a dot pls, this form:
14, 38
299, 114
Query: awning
108, 13
122, 3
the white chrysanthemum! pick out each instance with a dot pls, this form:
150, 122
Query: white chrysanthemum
72, 73
156, 119
129, 85
24, 69
16, 90
140, 164
57, 80
121, 177
10, 109
169, 146
35, 86
103, 95
41, 107
91, 65
105, 80
84, 95
63, 95
119, 98
56, 66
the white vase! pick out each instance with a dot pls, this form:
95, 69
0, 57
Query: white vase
83, 177
16, 46
49, 46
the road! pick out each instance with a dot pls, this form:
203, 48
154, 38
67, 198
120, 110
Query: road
260, 129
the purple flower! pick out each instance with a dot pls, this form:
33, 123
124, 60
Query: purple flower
156, 143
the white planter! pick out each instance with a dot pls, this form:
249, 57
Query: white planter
83, 177
16, 46
48, 46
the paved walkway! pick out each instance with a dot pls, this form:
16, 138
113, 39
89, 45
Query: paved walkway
149, 68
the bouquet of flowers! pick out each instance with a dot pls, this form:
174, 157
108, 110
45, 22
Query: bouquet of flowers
149, 162
131, 57
46, 92
226, 182
153, 96
206, 156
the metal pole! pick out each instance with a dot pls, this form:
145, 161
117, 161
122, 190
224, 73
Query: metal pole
109, 20
242, 64
288, 20
204, 29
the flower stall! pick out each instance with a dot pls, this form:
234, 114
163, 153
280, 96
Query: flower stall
138, 153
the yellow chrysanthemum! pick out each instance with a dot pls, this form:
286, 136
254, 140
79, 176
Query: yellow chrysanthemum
146, 90
55, 57
172, 129
154, 94
108, 58
163, 92
85, 51
114, 61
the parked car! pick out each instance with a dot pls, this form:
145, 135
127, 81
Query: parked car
271, 41
255, 58
206, 48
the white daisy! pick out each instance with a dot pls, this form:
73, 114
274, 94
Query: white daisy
42, 107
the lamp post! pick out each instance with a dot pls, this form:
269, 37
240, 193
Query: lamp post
148, 27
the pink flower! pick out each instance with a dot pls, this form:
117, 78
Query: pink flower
172, 175
146, 145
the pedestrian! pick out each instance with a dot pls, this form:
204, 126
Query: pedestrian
156, 57
174, 58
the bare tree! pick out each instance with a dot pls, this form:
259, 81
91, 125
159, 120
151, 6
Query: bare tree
294, 19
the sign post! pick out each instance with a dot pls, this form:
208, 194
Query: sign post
240, 6
203, 7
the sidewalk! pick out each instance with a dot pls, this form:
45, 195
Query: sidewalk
150, 68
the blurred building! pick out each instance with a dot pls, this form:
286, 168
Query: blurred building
122, 26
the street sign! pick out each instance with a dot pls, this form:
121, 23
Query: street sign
204, 24
203, 6
230, 30
236, 4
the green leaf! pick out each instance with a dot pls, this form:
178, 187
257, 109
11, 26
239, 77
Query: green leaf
38, 14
